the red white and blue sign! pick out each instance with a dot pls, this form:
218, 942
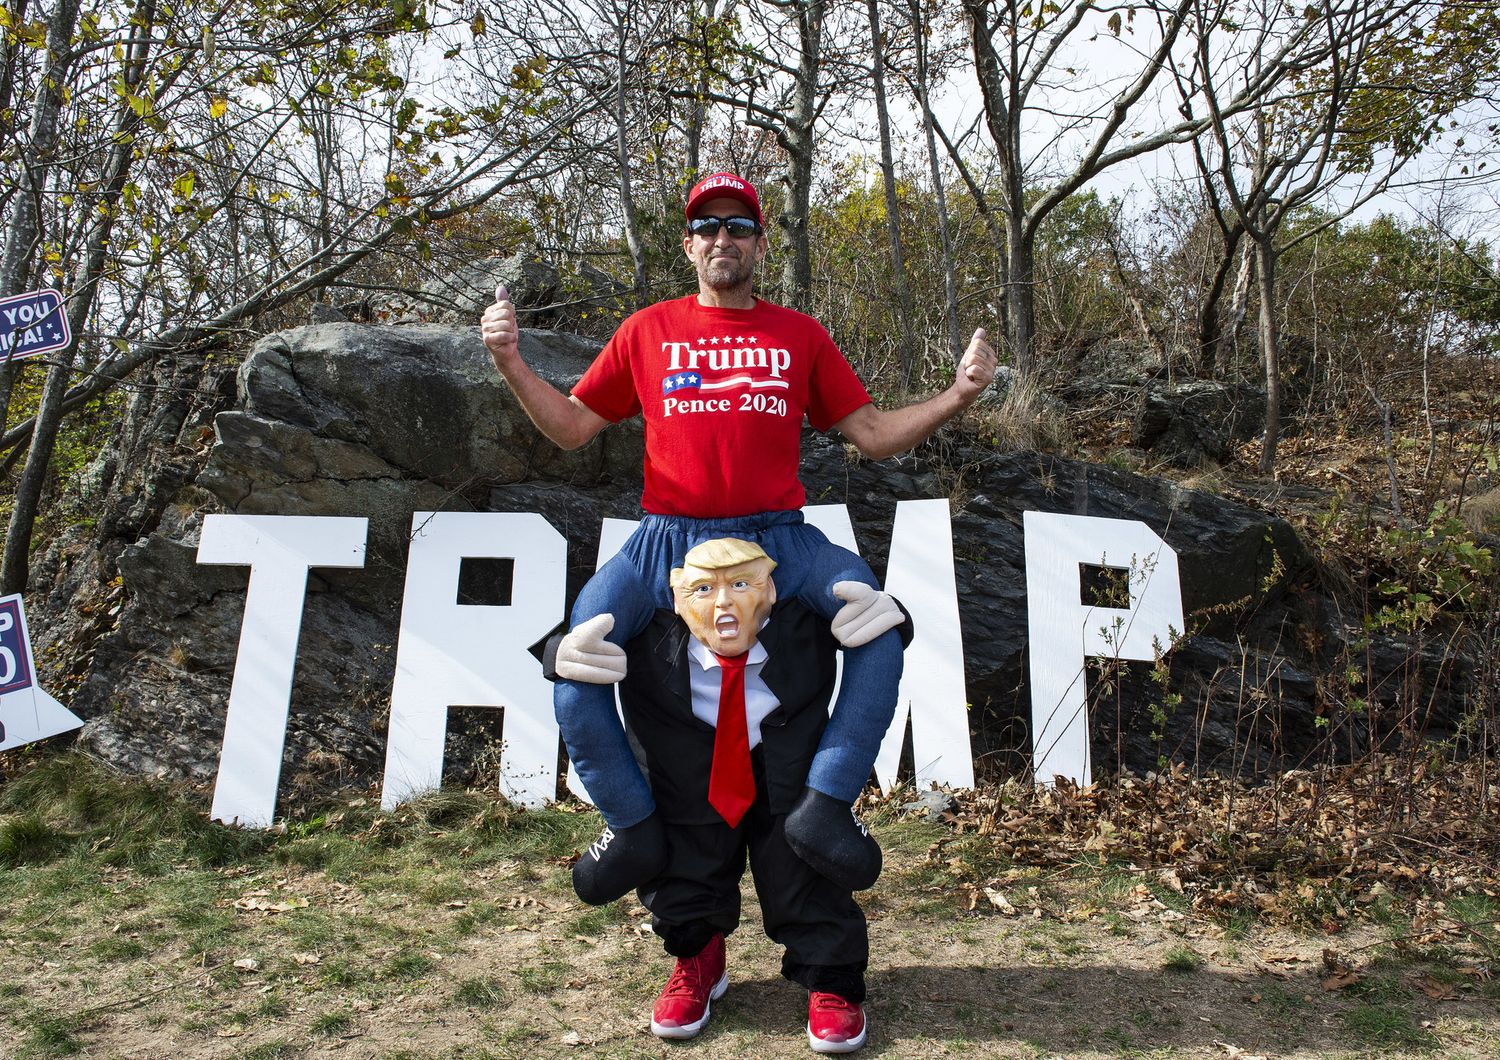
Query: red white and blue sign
27, 713
33, 323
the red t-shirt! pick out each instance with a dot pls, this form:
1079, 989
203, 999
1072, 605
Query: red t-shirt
723, 392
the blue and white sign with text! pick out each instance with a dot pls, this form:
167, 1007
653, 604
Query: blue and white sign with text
33, 323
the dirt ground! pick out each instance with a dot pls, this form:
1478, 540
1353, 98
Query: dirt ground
503, 962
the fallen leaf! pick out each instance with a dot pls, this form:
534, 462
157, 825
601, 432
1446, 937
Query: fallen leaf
1000, 902
1436, 990
1342, 979
259, 904
1236, 1053
307, 958
247, 964
572, 1038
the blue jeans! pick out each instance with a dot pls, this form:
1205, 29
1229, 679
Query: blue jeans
633, 584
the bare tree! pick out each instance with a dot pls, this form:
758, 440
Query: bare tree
182, 132
904, 308
1024, 78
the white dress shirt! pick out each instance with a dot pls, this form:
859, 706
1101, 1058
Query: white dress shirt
705, 678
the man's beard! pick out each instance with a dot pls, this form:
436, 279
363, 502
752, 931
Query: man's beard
724, 273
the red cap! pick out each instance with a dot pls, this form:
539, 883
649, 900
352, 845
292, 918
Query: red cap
724, 186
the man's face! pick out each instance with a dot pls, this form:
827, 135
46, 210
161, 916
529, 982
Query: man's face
724, 608
723, 262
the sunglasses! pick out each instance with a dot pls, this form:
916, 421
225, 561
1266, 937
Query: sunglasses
739, 227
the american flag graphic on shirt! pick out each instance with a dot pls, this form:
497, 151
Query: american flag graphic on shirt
681, 381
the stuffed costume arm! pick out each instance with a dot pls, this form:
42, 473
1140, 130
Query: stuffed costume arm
584, 655
866, 614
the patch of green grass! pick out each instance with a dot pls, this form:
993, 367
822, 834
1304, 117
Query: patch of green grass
441, 887
1384, 1025
274, 1049
339, 972
1239, 925
1477, 912
332, 1024
1107, 882
69, 802
116, 948
272, 1006
1382, 989
1182, 959
29, 840
52, 1036
479, 992
408, 965
592, 921
473, 917
543, 977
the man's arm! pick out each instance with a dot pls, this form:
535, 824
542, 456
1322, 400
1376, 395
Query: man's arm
561, 417
879, 434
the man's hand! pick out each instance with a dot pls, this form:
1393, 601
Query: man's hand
977, 368
866, 614
584, 655
498, 328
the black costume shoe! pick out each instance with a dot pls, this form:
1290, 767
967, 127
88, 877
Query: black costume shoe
824, 832
620, 860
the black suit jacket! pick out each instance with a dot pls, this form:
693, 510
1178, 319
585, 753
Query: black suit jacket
675, 748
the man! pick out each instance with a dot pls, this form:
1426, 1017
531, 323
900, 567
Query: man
724, 700
724, 380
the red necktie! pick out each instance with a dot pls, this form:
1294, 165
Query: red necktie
731, 785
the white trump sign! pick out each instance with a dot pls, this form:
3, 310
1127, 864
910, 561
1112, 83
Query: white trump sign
451, 654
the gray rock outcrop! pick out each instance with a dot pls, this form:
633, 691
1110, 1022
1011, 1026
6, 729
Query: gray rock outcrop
347, 419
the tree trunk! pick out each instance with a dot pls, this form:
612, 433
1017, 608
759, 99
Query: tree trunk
15, 567
1265, 260
992, 225
940, 199
1003, 98
1210, 327
622, 148
697, 112
1020, 293
797, 139
1228, 339
23, 235
892, 206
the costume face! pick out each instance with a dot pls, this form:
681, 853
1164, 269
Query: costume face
724, 607
724, 262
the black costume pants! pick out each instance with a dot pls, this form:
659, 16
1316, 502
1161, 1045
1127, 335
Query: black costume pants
698, 897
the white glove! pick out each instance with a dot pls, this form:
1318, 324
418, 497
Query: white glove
584, 655
866, 614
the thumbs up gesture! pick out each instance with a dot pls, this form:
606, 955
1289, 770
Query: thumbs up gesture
976, 369
498, 328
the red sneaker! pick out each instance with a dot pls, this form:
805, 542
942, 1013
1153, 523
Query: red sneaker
833, 1024
683, 1005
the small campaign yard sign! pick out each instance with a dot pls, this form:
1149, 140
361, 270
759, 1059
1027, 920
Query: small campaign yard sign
32, 323
27, 714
